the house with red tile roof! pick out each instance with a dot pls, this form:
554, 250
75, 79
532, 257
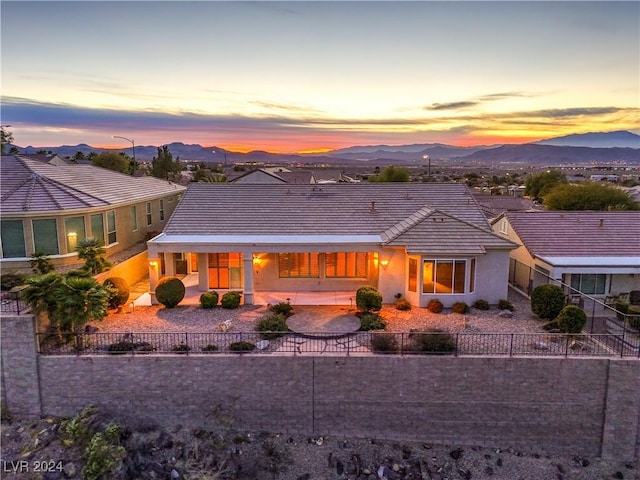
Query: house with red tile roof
422, 241
49, 207
597, 253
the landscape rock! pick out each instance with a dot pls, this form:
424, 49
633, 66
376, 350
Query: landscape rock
505, 314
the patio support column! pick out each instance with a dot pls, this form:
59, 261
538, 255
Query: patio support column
247, 266
169, 264
203, 272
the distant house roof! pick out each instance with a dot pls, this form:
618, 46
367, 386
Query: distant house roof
548, 234
51, 158
435, 218
494, 205
34, 186
284, 176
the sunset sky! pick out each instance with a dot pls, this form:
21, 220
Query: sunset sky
309, 76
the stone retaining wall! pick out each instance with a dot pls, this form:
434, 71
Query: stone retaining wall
585, 406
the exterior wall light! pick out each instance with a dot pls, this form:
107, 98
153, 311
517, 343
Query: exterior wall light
384, 263
153, 263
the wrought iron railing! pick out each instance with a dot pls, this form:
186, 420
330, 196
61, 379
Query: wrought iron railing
625, 344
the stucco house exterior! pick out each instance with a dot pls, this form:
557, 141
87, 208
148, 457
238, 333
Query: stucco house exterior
596, 253
423, 241
50, 207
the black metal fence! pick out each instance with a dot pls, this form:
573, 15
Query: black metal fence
11, 303
626, 344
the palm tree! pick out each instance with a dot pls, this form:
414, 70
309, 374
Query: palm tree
39, 294
93, 253
80, 300
40, 263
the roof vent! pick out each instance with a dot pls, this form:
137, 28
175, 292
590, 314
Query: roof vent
601, 222
373, 207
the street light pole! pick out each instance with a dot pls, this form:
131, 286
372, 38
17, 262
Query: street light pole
133, 148
427, 157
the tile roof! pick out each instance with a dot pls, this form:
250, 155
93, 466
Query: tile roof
33, 186
574, 234
397, 214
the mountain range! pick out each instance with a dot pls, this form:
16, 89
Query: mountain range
597, 147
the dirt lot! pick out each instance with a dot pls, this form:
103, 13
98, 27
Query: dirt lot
44, 449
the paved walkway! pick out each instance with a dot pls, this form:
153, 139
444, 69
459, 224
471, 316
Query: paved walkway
325, 321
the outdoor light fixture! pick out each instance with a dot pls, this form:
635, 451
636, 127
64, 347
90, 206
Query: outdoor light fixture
384, 263
153, 263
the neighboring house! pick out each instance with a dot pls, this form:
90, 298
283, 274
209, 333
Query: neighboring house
50, 208
494, 205
597, 253
282, 175
423, 241
50, 158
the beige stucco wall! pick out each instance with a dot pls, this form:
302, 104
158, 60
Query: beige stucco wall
126, 237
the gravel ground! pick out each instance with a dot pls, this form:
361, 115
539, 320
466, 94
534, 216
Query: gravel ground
193, 319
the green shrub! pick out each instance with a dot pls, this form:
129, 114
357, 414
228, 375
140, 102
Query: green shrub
368, 299
505, 305
241, 346
125, 346
230, 300
182, 348
41, 263
170, 291
103, 454
547, 301
371, 321
433, 341
11, 280
384, 343
460, 307
209, 299
571, 319
210, 348
118, 292
272, 326
435, 306
283, 308
402, 304
481, 305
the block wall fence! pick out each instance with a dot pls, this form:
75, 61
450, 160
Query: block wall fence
584, 406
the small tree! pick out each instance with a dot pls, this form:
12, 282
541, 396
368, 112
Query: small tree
93, 253
170, 291
118, 162
392, 174
163, 166
547, 301
588, 196
537, 186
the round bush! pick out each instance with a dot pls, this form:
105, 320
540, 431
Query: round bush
434, 340
571, 319
120, 291
241, 346
368, 299
505, 305
272, 326
435, 306
547, 301
230, 300
460, 307
170, 291
402, 304
481, 305
371, 321
284, 308
384, 343
209, 299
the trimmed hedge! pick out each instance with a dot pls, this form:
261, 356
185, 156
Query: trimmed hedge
460, 307
230, 300
272, 326
435, 306
209, 300
170, 291
547, 301
571, 319
368, 299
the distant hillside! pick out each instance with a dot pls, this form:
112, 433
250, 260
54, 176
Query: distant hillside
543, 152
623, 139
553, 155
